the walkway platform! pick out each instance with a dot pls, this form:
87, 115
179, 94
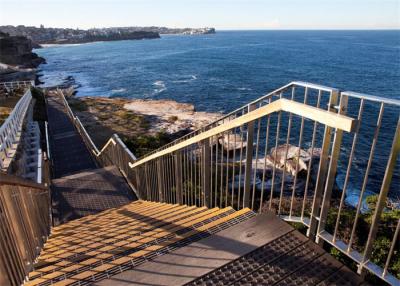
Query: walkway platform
149, 243
68, 151
79, 187
88, 193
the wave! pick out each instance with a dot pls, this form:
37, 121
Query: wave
189, 79
244, 88
119, 90
160, 87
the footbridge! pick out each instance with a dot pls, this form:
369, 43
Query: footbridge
295, 188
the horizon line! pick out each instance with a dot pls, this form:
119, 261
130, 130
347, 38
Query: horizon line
223, 29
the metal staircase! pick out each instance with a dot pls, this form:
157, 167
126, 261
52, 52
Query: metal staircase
213, 204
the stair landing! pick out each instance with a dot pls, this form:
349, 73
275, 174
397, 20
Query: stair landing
149, 243
88, 193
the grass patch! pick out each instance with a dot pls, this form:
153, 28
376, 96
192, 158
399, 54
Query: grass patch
143, 144
78, 105
172, 118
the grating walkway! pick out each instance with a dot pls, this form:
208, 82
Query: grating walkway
79, 187
149, 243
262, 250
99, 246
68, 151
87, 193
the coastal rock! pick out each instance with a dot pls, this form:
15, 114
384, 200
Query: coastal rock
171, 116
292, 155
17, 51
17, 62
232, 142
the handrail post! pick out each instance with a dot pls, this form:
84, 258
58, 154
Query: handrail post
178, 177
206, 170
160, 182
322, 172
249, 159
387, 179
330, 181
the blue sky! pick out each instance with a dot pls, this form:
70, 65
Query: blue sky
221, 14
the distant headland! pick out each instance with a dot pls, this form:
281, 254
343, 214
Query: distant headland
18, 62
41, 35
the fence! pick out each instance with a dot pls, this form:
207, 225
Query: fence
16, 84
305, 151
24, 226
10, 130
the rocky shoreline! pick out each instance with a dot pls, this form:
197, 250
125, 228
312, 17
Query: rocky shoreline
136, 117
17, 61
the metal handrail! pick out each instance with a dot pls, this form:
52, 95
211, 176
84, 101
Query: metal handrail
202, 168
25, 226
10, 130
242, 110
16, 84
325, 117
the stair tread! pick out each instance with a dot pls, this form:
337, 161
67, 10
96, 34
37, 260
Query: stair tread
100, 243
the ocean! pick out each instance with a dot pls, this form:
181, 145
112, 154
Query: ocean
223, 71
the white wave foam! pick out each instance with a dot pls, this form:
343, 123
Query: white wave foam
160, 87
119, 90
244, 88
189, 79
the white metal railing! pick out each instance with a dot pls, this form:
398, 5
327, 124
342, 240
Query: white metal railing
202, 167
234, 162
10, 130
16, 84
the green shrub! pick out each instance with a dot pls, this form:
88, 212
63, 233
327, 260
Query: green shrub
143, 144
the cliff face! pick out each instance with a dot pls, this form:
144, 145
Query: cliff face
17, 50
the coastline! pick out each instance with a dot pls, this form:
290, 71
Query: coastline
135, 119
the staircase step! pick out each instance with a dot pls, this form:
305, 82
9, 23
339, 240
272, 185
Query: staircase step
98, 246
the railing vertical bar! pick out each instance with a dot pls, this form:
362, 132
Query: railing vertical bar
240, 163
286, 153
211, 144
227, 169
249, 159
192, 201
322, 171
392, 247
265, 162
221, 187
381, 203
298, 155
178, 177
256, 165
337, 141
216, 171
274, 167
206, 162
160, 180
185, 154
311, 159
195, 175
364, 185
350, 162
172, 178
233, 166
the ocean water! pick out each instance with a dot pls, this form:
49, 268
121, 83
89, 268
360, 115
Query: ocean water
224, 71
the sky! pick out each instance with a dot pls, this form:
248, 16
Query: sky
221, 14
